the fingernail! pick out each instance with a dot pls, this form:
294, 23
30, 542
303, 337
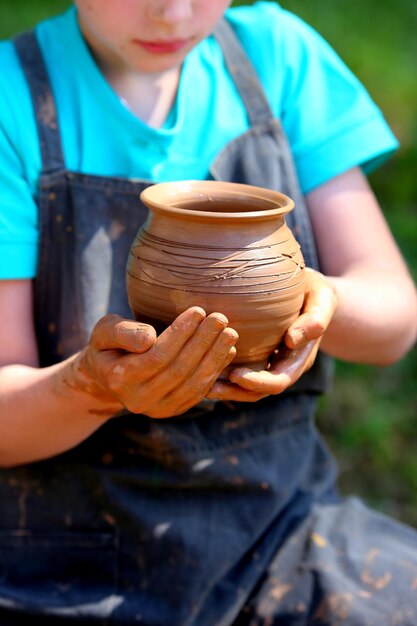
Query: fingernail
197, 317
232, 336
219, 317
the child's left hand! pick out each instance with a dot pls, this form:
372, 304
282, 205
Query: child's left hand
294, 356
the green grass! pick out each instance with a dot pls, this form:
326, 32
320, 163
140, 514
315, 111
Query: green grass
370, 418
24, 14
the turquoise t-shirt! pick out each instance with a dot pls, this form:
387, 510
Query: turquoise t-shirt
330, 120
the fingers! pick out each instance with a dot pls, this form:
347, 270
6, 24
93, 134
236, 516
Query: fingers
113, 332
222, 390
284, 372
160, 376
296, 355
175, 372
203, 354
196, 385
318, 309
186, 379
300, 344
189, 326
117, 349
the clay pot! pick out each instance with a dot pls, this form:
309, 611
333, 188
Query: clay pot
222, 246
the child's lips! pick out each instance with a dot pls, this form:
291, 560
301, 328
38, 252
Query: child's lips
163, 47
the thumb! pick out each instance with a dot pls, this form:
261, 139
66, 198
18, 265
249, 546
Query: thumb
113, 332
318, 309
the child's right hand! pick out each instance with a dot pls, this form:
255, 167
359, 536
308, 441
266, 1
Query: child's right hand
158, 376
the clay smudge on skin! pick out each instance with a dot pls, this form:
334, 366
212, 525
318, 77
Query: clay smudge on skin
78, 382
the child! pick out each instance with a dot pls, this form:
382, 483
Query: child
225, 512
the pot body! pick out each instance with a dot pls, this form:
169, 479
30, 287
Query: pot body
224, 247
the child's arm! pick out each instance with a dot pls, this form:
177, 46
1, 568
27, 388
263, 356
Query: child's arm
46, 411
366, 308
376, 317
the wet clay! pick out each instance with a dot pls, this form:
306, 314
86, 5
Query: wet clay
224, 247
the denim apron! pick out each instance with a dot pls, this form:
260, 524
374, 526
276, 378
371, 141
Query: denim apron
172, 522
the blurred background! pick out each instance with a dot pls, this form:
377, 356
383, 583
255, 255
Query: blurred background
370, 418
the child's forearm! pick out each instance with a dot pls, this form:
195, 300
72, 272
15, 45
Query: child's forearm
47, 411
376, 317
44, 412
376, 314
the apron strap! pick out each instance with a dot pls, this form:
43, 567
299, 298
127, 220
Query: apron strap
244, 76
36, 74
259, 114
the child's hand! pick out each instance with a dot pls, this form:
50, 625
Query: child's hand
158, 376
294, 357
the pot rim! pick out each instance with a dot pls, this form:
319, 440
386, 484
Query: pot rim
161, 197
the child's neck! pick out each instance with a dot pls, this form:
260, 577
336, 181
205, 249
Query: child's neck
149, 96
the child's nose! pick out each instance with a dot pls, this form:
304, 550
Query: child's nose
170, 10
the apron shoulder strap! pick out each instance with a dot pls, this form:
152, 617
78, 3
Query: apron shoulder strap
36, 74
243, 73
281, 174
